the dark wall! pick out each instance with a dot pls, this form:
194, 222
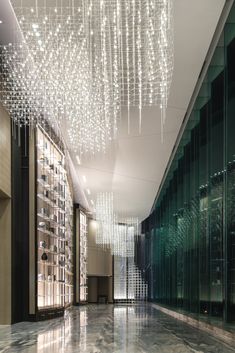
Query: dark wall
20, 226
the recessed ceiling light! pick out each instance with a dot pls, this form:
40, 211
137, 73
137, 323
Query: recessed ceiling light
84, 178
88, 191
0, 22
78, 160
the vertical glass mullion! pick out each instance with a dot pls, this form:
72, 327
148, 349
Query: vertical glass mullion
229, 35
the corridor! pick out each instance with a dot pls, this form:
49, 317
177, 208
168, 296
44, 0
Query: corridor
106, 329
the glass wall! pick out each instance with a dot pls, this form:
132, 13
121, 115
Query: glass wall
190, 235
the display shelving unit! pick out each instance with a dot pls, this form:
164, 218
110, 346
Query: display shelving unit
81, 234
83, 257
69, 250
54, 229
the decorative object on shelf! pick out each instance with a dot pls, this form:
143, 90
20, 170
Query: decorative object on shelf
46, 193
41, 277
42, 244
53, 217
53, 248
62, 263
51, 278
52, 230
61, 234
42, 224
44, 256
78, 64
44, 177
44, 212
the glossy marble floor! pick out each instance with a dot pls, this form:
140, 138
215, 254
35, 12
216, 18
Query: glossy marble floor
109, 328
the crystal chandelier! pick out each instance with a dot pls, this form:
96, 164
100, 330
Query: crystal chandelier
105, 218
134, 38
80, 62
123, 243
119, 235
116, 233
49, 77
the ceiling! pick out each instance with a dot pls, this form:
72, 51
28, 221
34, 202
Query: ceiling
134, 164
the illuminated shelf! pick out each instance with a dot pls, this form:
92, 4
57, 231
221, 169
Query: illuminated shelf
54, 226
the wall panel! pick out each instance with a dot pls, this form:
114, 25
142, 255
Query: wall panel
190, 247
5, 218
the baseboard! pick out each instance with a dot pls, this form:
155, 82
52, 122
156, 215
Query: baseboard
224, 335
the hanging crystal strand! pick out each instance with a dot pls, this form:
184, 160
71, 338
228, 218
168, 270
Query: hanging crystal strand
73, 8
165, 61
108, 89
116, 72
119, 56
121, 51
139, 67
150, 51
83, 16
36, 7
169, 17
162, 123
110, 64
91, 40
162, 65
104, 59
127, 63
45, 81
133, 49
100, 54
110, 31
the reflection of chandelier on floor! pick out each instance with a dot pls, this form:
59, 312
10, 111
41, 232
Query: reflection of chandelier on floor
79, 64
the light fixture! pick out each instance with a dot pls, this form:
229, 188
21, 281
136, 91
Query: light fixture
78, 160
117, 233
79, 64
0, 22
105, 218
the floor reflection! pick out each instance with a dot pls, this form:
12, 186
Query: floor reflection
109, 328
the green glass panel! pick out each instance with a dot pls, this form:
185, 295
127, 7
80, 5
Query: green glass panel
190, 245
